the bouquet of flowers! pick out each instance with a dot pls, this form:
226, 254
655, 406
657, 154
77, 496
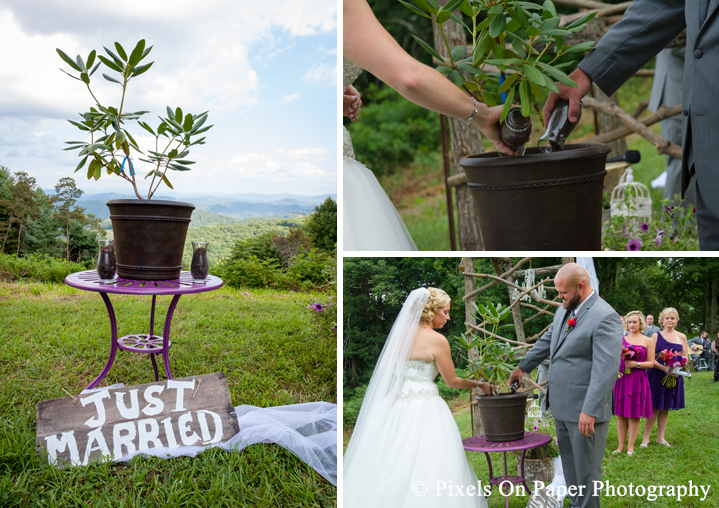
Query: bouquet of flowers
628, 353
674, 361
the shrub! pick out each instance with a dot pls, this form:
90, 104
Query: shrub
36, 267
351, 406
321, 225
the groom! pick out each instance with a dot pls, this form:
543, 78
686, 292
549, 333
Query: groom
584, 344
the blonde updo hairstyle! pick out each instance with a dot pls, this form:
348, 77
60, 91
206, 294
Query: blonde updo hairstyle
642, 320
666, 311
437, 300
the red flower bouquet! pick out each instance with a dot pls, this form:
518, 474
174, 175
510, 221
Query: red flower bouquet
628, 353
673, 360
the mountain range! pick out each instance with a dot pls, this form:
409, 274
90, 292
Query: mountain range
233, 205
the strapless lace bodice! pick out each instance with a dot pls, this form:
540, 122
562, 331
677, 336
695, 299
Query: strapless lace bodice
350, 72
417, 380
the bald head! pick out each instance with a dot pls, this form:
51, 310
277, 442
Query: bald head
572, 283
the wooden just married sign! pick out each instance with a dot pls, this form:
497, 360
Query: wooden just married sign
190, 411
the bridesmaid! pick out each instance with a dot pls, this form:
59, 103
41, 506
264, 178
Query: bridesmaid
665, 399
632, 395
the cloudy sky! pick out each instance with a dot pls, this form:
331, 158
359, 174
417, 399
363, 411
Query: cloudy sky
266, 71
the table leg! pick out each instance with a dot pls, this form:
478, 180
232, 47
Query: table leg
521, 469
506, 498
166, 336
113, 343
491, 476
152, 334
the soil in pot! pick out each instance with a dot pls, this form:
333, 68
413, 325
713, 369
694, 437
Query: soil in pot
539, 201
149, 237
503, 416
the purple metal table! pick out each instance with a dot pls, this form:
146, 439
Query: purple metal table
530, 440
140, 342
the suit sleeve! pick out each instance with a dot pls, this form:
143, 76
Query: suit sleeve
539, 351
646, 28
606, 355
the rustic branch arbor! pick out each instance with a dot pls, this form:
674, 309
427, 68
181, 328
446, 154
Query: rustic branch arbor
612, 124
506, 272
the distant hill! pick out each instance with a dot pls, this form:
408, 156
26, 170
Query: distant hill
236, 206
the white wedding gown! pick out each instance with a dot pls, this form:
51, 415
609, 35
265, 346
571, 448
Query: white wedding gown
370, 221
416, 457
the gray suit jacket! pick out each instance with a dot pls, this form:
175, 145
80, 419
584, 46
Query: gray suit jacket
647, 27
651, 330
584, 362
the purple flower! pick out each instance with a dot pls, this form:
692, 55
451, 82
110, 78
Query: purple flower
535, 428
644, 226
634, 245
625, 232
694, 210
658, 240
317, 307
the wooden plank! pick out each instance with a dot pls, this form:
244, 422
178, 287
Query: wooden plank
191, 411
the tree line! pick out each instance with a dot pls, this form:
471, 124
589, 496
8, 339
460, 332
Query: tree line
31, 221
374, 289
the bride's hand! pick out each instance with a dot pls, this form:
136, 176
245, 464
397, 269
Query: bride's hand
485, 388
487, 121
351, 103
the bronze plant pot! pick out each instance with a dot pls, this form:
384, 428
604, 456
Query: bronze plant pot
539, 201
149, 237
503, 416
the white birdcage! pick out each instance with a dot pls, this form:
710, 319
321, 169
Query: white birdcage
638, 195
534, 410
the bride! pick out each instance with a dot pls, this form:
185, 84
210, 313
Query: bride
405, 450
370, 220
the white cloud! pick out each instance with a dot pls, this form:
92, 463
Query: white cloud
321, 74
301, 153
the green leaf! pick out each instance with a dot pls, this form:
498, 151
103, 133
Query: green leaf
536, 91
186, 163
524, 98
533, 75
137, 53
508, 82
582, 20
557, 32
456, 78
68, 60
459, 52
533, 31
512, 25
557, 74
116, 58
85, 78
520, 16
98, 170
95, 68
73, 77
79, 126
508, 103
443, 69
179, 167
549, 6
496, 9
452, 5
582, 46
499, 51
178, 115
459, 21
466, 9
121, 51
549, 24
415, 9
519, 48
112, 65
132, 141
167, 182
442, 16
187, 125
198, 124
82, 163
470, 69
141, 69
485, 46
110, 78
429, 49
497, 25
147, 128
433, 5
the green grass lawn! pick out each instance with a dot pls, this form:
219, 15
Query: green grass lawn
269, 345
694, 455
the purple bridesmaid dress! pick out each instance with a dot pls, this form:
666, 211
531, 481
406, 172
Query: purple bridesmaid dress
632, 394
663, 397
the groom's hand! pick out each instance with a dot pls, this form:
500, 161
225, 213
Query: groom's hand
586, 423
517, 374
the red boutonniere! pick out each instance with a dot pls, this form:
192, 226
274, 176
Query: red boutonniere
571, 324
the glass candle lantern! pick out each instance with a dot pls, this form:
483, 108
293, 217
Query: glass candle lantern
200, 266
106, 264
